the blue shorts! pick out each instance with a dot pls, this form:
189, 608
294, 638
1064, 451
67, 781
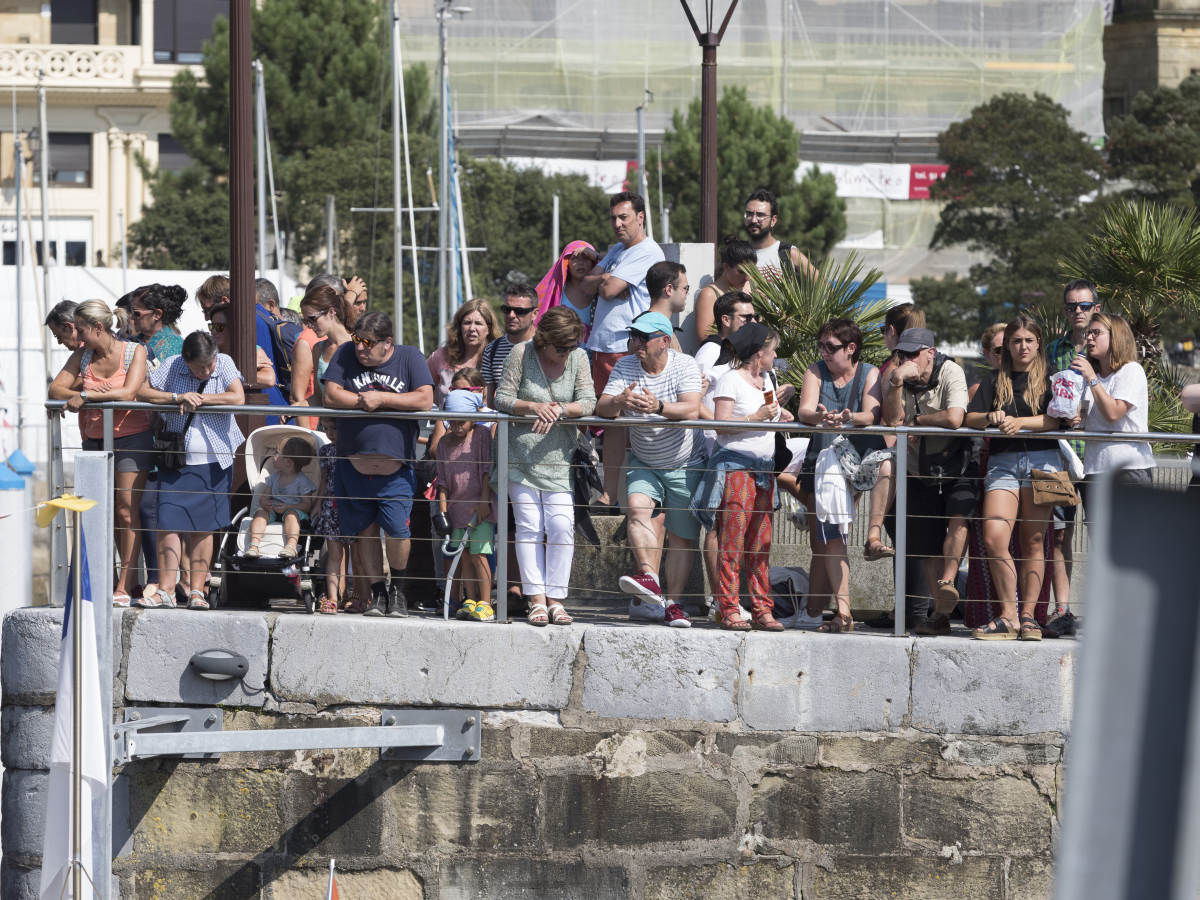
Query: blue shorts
1011, 471
366, 499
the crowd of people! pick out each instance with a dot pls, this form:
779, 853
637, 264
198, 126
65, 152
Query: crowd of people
595, 337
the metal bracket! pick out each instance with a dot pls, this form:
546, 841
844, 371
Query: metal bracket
431, 735
462, 734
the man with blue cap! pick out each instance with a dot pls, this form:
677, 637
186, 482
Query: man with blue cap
657, 382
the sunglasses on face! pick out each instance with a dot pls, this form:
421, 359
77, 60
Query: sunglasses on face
748, 317
518, 311
365, 342
564, 349
1086, 306
1095, 332
312, 320
638, 336
217, 327
830, 347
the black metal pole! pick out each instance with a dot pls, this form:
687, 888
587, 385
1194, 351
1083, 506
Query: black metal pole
241, 192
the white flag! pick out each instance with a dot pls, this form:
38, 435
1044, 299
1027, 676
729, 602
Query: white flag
56, 844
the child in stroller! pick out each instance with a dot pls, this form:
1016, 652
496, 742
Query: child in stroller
289, 496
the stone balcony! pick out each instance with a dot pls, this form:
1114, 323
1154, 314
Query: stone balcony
120, 66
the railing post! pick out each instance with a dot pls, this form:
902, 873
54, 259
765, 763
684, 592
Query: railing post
107, 418
901, 478
502, 520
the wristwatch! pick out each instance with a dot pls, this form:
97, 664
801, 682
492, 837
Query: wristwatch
661, 407
1093, 382
174, 397
83, 396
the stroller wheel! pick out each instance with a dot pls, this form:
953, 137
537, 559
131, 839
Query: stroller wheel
310, 602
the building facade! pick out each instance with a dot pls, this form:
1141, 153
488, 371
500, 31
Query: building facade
107, 67
1149, 44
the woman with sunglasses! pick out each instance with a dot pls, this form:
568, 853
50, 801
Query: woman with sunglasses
473, 327
264, 369
1014, 399
152, 316
328, 313
841, 391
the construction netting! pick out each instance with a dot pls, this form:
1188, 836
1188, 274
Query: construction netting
857, 66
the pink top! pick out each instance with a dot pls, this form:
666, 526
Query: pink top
442, 371
125, 421
463, 467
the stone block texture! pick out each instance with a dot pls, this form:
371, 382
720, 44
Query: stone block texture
618, 761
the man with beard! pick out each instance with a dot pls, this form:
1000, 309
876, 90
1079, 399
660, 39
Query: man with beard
762, 212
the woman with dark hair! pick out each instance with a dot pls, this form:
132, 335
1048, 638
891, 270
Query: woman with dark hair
841, 391
194, 493
61, 322
106, 368
1014, 399
548, 377
218, 325
731, 279
563, 284
744, 462
473, 327
153, 312
330, 315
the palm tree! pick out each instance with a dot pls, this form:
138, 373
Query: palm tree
797, 307
1145, 262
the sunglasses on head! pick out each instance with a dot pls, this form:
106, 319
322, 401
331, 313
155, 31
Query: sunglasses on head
1085, 306
517, 310
365, 342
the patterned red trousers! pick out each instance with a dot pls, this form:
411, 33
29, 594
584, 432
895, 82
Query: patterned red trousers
744, 533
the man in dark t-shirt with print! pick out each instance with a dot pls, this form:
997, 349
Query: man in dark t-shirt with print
374, 479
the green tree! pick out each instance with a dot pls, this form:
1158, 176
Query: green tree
1157, 146
756, 149
954, 309
188, 226
1017, 173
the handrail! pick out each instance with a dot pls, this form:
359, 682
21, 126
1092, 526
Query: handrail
632, 421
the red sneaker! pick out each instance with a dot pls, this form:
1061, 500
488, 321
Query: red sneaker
676, 617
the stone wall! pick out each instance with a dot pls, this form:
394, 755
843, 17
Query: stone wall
618, 762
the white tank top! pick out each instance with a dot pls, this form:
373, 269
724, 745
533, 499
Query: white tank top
768, 257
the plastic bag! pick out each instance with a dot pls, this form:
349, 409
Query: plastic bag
1066, 393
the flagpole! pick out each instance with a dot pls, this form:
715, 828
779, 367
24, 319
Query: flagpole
329, 893
77, 713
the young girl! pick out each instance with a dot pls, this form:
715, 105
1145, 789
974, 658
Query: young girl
325, 522
289, 494
464, 466
1014, 399
468, 378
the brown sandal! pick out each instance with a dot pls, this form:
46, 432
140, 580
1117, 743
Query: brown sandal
731, 620
839, 624
877, 549
765, 621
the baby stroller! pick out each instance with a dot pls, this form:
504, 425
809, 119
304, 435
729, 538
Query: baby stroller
240, 581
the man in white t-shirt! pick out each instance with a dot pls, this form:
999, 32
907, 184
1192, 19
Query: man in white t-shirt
659, 383
761, 214
618, 282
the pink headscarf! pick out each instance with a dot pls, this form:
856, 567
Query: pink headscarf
550, 288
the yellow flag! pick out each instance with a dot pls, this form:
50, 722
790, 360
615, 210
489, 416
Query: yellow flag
48, 510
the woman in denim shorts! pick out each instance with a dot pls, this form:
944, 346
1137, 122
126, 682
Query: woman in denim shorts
1013, 399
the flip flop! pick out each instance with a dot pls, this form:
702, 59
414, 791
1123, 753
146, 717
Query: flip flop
880, 551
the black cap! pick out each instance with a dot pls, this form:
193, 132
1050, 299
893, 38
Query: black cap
749, 339
913, 340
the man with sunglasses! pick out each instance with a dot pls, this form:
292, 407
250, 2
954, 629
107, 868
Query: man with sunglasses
374, 479
1079, 304
660, 383
759, 218
520, 322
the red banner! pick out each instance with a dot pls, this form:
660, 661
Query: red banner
921, 176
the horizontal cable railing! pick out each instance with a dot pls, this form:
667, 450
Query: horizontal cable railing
787, 531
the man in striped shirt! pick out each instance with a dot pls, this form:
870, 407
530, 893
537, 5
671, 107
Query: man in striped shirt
657, 382
520, 322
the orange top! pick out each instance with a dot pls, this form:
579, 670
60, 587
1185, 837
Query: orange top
125, 421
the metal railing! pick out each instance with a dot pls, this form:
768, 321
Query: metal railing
503, 423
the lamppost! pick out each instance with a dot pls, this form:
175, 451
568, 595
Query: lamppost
446, 9
709, 41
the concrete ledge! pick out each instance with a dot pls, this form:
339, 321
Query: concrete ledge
421, 662
990, 687
24, 812
29, 653
25, 733
817, 682
649, 672
163, 641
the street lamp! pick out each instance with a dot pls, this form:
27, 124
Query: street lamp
446, 9
709, 41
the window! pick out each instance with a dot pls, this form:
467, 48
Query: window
10, 253
182, 26
70, 159
171, 155
75, 253
73, 21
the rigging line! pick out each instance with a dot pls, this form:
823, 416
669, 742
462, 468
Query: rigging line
383, 70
